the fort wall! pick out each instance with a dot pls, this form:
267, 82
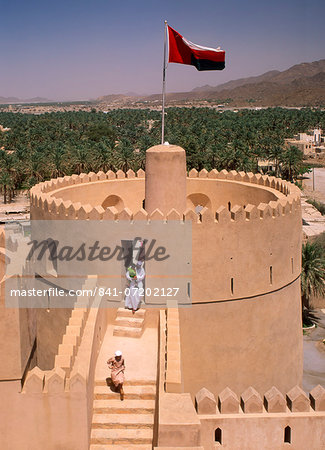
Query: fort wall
245, 275
56, 405
264, 238
17, 337
220, 192
247, 421
253, 341
232, 418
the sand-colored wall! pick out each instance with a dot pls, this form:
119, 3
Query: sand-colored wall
248, 420
264, 431
246, 252
51, 326
180, 425
91, 190
17, 329
221, 192
10, 367
130, 190
42, 421
264, 239
53, 410
165, 186
17, 337
254, 341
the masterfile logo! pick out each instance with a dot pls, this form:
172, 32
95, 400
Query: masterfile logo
51, 262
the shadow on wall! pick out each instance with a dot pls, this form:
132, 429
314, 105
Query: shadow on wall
113, 200
198, 200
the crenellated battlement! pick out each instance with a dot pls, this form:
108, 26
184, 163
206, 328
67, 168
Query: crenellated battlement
250, 421
53, 382
251, 402
58, 208
233, 214
263, 180
246, 177
91, 177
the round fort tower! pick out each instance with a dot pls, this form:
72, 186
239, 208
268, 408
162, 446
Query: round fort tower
244, 325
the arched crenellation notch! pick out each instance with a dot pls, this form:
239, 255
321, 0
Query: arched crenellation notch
197, 202
113, 200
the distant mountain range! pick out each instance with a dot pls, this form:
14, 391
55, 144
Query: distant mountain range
9, 100
300, 85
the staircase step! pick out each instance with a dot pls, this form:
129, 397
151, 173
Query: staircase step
122, 312
131, 392
121, 436
121, 447
136, 322
123, 421
124, 407
127, 331
129, 383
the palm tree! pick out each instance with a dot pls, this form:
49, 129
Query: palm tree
6, 183
291, 162
275, 153
124, 155
57, 159
103, 156
312, 274
80, 158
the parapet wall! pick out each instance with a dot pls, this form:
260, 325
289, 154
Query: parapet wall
245, 287
66, 197
250, 421
251, 402
264, 237
53, 409
281, 420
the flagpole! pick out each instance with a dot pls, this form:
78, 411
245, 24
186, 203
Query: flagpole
164, 87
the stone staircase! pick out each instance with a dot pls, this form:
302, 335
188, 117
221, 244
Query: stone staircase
128, 324
122, 425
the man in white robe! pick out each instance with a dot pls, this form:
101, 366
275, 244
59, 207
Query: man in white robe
135, 277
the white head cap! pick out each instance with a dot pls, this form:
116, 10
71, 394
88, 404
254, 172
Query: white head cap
118, 353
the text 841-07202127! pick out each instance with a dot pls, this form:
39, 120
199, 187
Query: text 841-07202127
149, 292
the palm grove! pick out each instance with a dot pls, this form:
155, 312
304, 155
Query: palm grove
40, 147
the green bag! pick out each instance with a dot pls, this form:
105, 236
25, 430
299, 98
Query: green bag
132, 272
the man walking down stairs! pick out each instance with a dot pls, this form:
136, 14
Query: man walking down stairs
127, 424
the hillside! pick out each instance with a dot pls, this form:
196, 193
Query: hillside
14, 100
300, 85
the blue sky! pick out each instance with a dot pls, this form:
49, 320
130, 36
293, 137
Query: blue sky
76, 49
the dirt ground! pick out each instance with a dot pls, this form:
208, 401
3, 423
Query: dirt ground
18, 208
318, 193
20, 201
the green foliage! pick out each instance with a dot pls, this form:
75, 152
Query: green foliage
318, 205
292, 163
309, 318
312, 272
39, 147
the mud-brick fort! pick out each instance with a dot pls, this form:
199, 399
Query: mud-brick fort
223, 373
